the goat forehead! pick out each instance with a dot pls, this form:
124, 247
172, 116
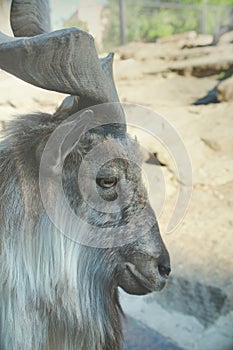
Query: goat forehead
110, 156
126, 149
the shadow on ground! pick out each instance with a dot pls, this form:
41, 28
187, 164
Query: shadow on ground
139, 337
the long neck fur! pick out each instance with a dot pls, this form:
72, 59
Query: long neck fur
54, 293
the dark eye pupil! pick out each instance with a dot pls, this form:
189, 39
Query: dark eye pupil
107, 182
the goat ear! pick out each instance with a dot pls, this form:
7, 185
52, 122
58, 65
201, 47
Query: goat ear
67, 107
73, 137
62, 142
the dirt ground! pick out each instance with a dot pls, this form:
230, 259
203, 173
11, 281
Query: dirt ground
169, 79
172, 81
205, 234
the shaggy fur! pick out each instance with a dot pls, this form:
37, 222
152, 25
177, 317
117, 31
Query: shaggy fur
54, 293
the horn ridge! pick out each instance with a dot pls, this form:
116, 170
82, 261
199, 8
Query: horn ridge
30, 18
65, 61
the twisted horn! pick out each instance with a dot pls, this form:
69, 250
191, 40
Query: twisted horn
106, 64
64, 61
29, 18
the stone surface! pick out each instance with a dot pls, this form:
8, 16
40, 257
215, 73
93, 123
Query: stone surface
180, 328
196, 308
139, 337
163, 59
225, 90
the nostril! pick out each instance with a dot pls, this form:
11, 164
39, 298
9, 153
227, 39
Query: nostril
164, 270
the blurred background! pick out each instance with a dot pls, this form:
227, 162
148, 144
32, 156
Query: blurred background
116, 22
174, 58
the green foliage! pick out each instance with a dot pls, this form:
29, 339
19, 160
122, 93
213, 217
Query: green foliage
158, 23
149, 23
112, 28
203, 2
221, 2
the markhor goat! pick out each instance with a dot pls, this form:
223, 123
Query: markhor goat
57, 292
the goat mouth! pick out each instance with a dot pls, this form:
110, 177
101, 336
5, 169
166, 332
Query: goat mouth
133, 281
140, 279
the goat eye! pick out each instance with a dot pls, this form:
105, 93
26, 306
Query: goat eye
107, 182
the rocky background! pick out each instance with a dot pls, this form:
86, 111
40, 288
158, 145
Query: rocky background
190, 83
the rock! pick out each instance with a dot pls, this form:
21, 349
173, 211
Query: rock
201, 40
127, 69
225, 90
203, 66
188, 296
177, 38
137, 336
212, 144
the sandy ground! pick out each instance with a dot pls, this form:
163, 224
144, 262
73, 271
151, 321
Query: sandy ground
206, 131
196, 308
201, 247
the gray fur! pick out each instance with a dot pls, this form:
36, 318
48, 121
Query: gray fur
55, 293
